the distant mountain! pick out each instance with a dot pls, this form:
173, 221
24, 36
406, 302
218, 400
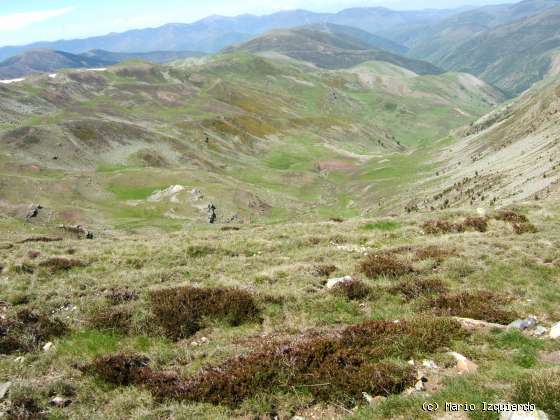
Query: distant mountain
160, 57
512, 56
332, 47
217, 32
434, 42
43, 60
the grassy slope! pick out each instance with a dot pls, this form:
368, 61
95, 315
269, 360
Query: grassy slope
276, 263
122, 134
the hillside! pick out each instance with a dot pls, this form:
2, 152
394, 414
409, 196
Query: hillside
511, 155
264, 139
256, 306
434, 42
512, 56
38, 61
332, 47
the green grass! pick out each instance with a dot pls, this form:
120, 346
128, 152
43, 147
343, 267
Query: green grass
382, 225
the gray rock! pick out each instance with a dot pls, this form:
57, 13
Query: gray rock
4, 388
523, 324
540, 331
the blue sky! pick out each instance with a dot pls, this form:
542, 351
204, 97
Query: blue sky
26, 21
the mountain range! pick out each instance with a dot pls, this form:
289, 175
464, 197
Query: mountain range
217, 32
44, 60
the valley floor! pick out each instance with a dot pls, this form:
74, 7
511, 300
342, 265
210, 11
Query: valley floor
241, 321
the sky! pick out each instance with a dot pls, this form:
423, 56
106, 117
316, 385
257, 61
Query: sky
26, 21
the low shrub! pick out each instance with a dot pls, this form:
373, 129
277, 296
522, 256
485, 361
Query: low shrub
511, 217
479, 224
522, 228
353, 290
25, 408
117, 319
481, 305
435, 227
61, 263
540, 388
415, 288
324, 270
118, 369
181, 311
379, 264
119, 295
433, 252
335, 367
27, 330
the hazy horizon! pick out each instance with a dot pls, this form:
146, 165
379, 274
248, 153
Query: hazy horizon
66, 19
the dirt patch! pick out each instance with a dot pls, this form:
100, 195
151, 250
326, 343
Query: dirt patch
335, 165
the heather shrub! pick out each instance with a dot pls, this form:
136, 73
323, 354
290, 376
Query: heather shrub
414, 288
61, 264
353, 290
378, 264
324, 270
336, 367
27, 331
482, 305
522, 228
511, 217
182, 310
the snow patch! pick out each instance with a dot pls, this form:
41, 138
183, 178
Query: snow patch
10, 81
169, 193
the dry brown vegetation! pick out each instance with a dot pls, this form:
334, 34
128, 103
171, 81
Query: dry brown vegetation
353, 290
61, 263
437, 227
414, 288
379, 264
482, 305
337, 367
27, 330
181, 311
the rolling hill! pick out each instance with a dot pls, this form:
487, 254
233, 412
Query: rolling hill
263, 138
37, 61
332, 47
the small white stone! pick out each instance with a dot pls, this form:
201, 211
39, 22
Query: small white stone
524, 415
555, 331
47, 346
430, 364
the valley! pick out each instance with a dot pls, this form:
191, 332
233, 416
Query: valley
302, 215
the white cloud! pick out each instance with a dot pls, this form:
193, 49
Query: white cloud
17, 21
